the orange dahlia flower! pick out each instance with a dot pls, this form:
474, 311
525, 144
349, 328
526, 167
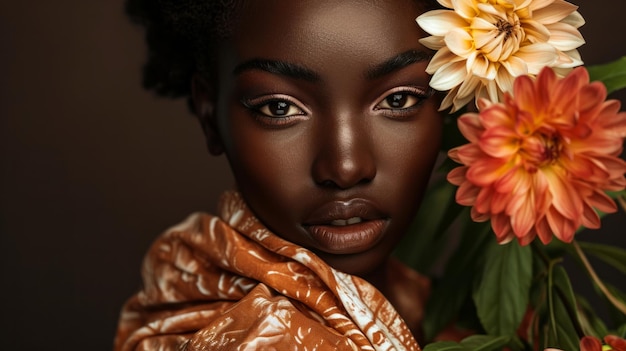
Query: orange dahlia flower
539, 163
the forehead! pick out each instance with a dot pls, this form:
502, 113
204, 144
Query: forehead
314, 30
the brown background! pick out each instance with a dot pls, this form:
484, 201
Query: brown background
92, 167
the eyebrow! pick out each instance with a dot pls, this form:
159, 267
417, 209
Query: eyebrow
278, 67
397, 62
296, 71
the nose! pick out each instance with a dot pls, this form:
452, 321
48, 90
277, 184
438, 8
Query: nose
344, 156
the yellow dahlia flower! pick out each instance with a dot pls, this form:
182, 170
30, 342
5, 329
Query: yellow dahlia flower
539, 163
484, 44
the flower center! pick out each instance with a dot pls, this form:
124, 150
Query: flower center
552, 149
541, 150
504, 27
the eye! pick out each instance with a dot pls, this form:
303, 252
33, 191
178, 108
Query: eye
276, 110
279, 108
403, 99
400, 100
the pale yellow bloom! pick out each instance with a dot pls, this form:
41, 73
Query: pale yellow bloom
482, 45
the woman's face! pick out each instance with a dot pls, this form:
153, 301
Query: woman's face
324, 111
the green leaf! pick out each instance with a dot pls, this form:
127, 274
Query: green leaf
614, 256
444, 346
485, 342
612, 74
615, 314
563, 321
454, 289
621, 331
427, 237
503, 294
589, 320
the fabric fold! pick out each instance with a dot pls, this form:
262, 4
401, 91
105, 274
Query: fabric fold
228, 283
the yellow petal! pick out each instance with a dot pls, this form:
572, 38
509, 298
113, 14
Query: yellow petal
460, 101
557, 11
515, 67
568, 59
448, 76
497, 11
433, 42
481, 67
468, 87
539, 4
442, 57
439, 22
535, 31
564, 37
575, 19
459, 42
446, 3
465, 8
537, 56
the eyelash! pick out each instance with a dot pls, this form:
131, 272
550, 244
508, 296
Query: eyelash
257, 105
417, 93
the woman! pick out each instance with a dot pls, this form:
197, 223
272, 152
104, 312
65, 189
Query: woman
325, 115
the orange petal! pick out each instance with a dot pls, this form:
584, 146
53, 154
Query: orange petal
470, 126
469, 154
502, 228
485, 171
602, 202
499, 142
457, 175
499, 201
523, 220
590, 218
466, 194
496, 115
543, 230
565, 198
477, 216
617, 343
562, 227
590, 343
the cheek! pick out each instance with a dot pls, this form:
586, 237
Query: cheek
271, 169
408, 160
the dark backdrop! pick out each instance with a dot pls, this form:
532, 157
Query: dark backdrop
92, 168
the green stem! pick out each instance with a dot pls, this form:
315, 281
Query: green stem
615, 301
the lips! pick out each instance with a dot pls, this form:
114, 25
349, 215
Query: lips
346, 226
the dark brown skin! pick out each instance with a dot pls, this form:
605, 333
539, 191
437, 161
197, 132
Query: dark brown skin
324, 141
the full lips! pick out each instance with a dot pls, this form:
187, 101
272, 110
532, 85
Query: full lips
347, 239
351, 238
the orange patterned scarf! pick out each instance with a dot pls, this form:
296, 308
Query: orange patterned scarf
230, 284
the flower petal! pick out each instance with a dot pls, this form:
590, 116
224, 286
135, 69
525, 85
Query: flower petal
564, 37
449, 76
459, 42
439, 22
537, 56
590, 343
562, 227
557, 11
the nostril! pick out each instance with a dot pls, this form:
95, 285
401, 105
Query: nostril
334, 185
329, 184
